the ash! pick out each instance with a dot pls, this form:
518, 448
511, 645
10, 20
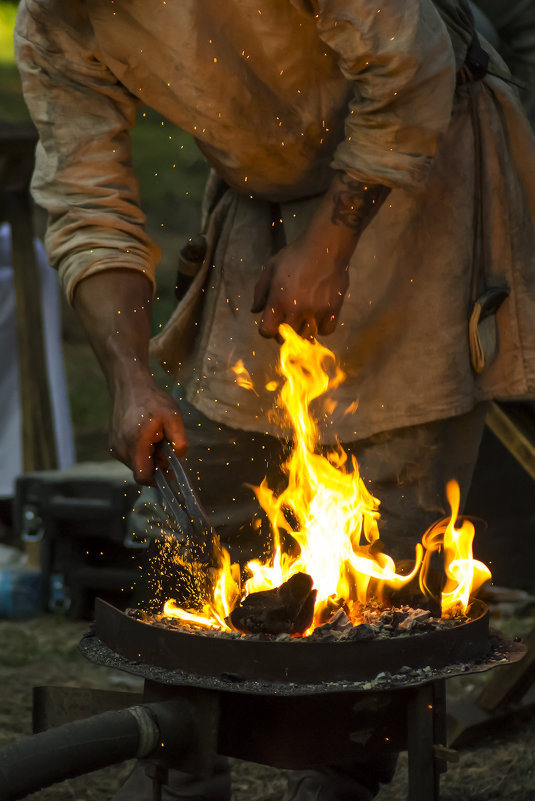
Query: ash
381, 623
377, 623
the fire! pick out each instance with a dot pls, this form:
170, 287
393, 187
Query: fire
330, 517
225, 596
326, 507
464, 574
243, 379
203, 620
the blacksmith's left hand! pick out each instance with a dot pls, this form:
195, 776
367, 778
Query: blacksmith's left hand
305, 283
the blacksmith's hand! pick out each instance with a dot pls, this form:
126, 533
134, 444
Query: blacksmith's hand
304, 284
144, 415
115, 309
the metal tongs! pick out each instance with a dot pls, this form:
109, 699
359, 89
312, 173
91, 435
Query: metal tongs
182, 504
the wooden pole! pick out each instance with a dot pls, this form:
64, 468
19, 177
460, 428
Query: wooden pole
514, 425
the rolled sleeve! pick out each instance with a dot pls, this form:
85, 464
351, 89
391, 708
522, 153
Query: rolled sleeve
83, 174
399, 58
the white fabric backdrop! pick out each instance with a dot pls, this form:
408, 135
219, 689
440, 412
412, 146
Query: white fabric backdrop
10, 411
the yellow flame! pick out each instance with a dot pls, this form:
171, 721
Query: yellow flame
325, 507
202, 620
225, 595
464, 574
325, 522
243, 378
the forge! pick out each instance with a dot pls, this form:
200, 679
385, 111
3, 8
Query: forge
325, 653
363, 681
326, 555
306, 661
294, 704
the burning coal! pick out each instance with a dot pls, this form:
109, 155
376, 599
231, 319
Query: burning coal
332, 519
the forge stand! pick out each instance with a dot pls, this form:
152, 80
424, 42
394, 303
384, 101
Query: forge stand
293, 706
290, 732
309, 732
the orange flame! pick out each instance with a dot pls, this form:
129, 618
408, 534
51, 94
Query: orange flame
330, 516
325, 507
352, 408
203, 620
243, 379
225, 596
464, 574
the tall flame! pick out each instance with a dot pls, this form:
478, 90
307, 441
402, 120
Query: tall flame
326, 507
330, 517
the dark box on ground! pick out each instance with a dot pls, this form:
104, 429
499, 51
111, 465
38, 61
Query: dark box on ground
79, 517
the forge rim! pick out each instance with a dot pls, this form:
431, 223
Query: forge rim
294, 662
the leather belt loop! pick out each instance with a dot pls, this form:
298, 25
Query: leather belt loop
477, 59
476, 62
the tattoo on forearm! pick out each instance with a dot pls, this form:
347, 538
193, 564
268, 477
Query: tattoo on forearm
357, 204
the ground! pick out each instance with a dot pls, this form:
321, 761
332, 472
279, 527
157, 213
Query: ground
43, 651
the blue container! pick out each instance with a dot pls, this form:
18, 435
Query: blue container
20, 593
57, 597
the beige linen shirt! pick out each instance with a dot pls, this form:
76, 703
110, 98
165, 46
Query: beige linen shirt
277, 95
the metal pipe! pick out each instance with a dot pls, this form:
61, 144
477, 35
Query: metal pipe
76, 748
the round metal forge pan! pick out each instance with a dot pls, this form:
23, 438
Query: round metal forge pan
297, 661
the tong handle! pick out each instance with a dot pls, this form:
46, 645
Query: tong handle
185, 503
172, 505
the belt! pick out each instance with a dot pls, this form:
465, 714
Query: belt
476, 63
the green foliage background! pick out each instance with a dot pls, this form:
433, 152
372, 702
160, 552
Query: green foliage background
171, 173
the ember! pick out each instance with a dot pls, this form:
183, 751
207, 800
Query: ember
331, 519
267, 615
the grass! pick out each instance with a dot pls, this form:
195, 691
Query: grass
171, 172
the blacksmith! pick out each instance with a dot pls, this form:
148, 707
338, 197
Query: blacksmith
373, 181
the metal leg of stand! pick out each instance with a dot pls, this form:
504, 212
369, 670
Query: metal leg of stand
160, 777
424, 774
